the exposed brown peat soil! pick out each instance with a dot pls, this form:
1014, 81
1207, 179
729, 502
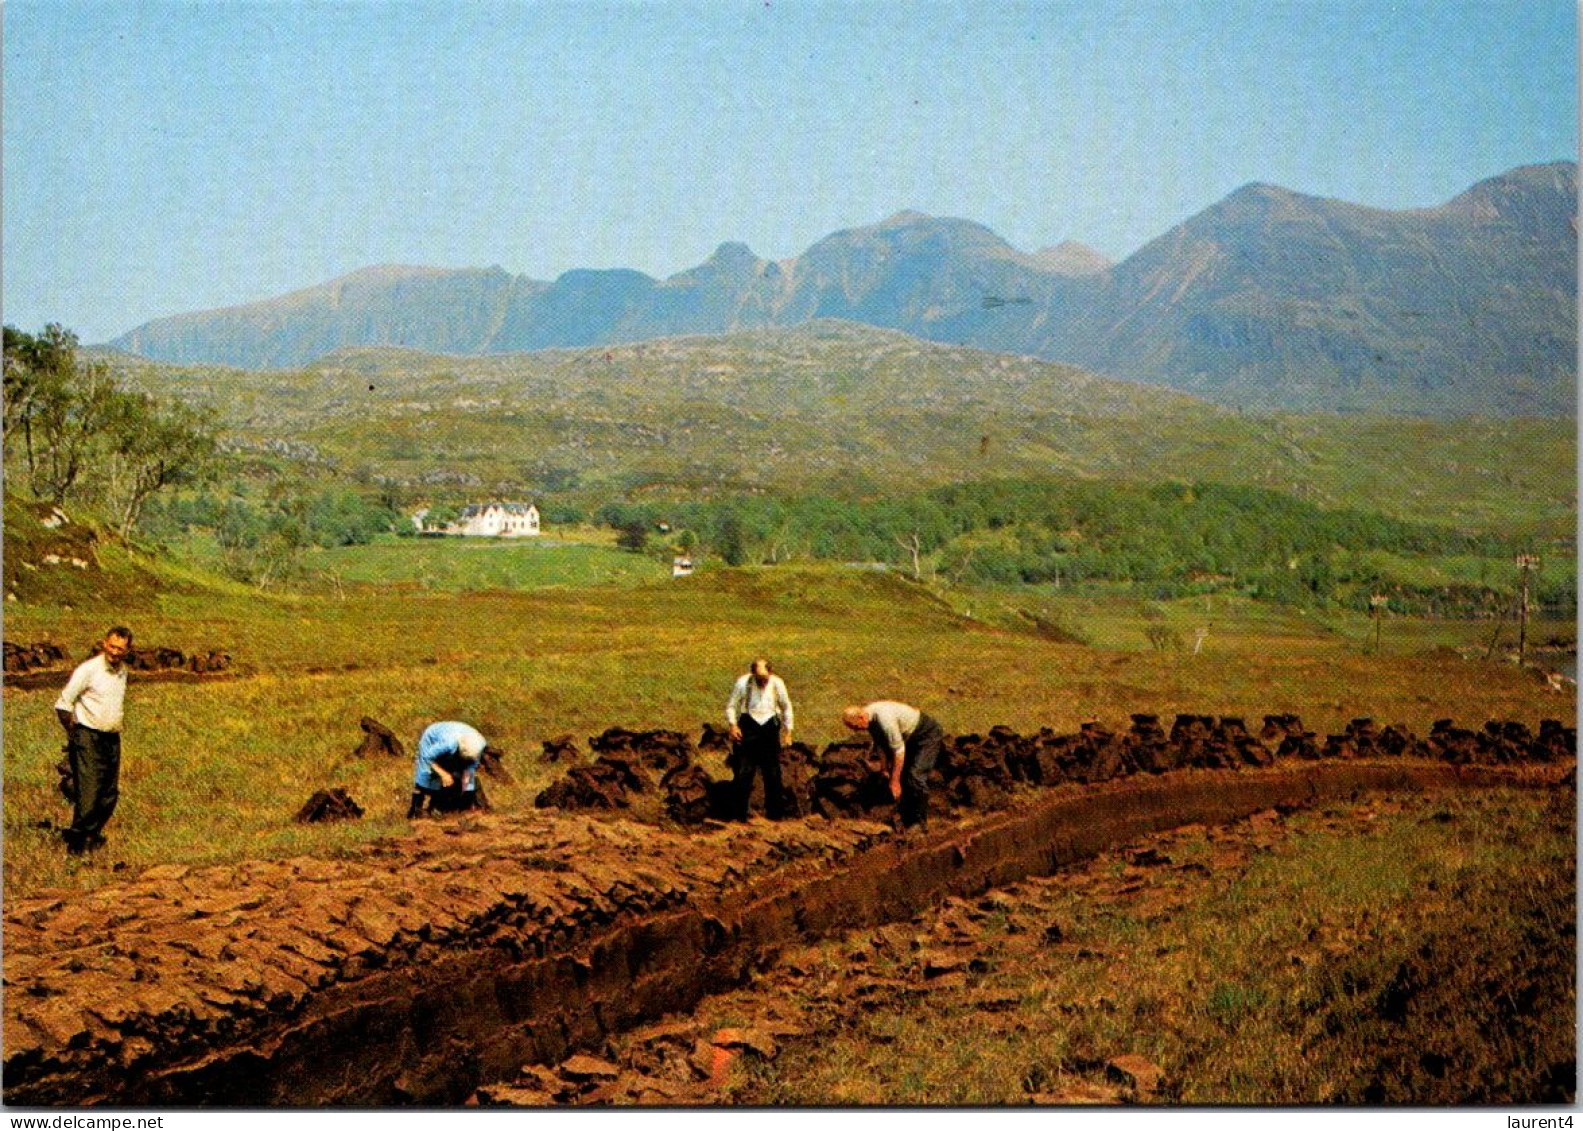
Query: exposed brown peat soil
427, 965
1165, 971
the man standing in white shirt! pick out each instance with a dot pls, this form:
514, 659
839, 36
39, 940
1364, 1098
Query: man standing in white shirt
911, 742
759, 714
90, 711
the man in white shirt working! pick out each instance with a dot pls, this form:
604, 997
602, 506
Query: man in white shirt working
759, 715
89, 710
911, 742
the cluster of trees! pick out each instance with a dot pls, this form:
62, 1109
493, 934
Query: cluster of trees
262, 539
1165, 539
74, 435
327, 516
749, 530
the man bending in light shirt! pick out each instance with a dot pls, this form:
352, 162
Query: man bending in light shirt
911, 742
759, 714
89, 710
446, 771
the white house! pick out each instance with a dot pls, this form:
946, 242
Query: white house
497, 520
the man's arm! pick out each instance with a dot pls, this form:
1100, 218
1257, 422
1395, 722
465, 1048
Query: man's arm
897, 757
888, 738
783, 702
429, 759
734, 707
65, 706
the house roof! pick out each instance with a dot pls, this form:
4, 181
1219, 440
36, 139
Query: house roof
473, 510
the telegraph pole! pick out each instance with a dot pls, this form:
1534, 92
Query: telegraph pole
1526, 564
1378, 602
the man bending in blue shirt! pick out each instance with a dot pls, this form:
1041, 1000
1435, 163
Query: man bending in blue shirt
446, 772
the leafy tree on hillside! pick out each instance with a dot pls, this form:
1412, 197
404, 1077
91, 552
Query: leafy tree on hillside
60, 407
82, 435
151, 446
633, 535
731, 541
442, 515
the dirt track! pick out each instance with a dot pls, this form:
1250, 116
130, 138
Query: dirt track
434, 963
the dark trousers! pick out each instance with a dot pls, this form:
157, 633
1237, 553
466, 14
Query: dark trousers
95, 758
760, 749
452, 800
923, 750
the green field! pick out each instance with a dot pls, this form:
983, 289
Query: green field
483, 563
215, 771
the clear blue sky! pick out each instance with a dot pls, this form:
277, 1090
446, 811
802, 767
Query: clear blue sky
166, 157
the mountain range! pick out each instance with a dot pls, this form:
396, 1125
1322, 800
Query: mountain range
1268, 299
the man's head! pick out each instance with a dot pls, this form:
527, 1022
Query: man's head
855, 718
117, 643
471, 747
760, 670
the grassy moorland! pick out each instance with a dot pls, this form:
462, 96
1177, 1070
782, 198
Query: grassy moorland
215, 771
1401, 949
846, 409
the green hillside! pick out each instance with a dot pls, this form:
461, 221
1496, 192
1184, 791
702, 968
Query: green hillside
846, 409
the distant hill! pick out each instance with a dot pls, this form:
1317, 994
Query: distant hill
1267, 299
423, 307
1274, 299
845, 408
1071, 258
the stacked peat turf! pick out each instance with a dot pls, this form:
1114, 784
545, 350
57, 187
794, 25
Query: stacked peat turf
1102, 755
606, 783
493, 763
149, 659
1248, 750
1448, 742
28, 657
849, 781
562, 748
379, 741
329, 805
689, 794
1338, 746
1370, 740
1289, 737
1019, 754
1190, 736
1052, 757
1278, 728
1149, 747
1556, 741
974, 768
661, 750
1505, 742
1205, 744
797, 779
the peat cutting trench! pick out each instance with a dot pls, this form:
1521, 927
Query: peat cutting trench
428, 965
